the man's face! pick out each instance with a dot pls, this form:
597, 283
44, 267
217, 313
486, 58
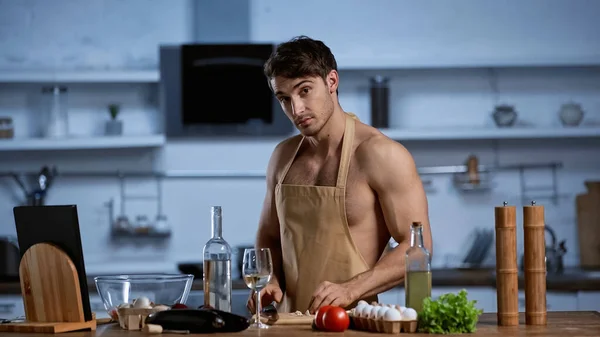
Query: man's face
307, 101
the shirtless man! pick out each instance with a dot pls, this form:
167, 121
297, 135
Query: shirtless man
336, 193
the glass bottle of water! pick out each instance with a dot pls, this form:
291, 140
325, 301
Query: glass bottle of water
417, 281
55, 123
217, 266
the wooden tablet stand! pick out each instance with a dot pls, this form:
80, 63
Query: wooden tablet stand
51, 293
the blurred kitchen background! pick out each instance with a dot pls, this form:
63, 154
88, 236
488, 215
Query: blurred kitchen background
497, 102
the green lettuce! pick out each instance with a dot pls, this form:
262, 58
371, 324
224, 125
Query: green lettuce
450, 313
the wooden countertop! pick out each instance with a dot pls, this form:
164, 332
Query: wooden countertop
571, 281
560, 324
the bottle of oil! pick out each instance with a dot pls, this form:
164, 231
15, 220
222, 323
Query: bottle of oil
417, 281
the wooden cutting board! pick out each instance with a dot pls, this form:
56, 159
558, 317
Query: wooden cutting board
290, 319
58, 225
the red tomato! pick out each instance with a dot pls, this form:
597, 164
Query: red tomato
336, 319
320, 315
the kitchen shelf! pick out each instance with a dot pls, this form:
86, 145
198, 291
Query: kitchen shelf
80, 76
203, 174
79, 143
492, 133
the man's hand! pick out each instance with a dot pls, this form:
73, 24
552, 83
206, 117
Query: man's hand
272, 292
329, 293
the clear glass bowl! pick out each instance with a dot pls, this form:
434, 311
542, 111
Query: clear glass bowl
167, 289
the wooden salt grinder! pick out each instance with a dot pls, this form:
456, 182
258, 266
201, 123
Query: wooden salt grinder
534, 264
507, 289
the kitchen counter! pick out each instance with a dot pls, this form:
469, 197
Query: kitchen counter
573, 324
571, 280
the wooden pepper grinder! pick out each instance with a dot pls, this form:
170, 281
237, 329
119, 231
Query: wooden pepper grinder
534, 264
507, 289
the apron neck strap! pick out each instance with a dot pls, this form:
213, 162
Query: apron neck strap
347, 141
346, 152
289, 164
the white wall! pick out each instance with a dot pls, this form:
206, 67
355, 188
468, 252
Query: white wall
434, 32
117, 34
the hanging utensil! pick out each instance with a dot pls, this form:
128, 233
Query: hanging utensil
43, 181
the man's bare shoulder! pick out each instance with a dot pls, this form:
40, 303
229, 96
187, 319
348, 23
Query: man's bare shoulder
281, 154
382, 158
377, 148
285, 148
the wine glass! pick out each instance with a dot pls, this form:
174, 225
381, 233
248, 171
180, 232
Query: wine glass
257, 269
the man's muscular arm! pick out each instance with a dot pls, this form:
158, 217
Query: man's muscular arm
268, 232
268, 228
392, 174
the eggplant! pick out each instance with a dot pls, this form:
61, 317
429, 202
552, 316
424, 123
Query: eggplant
199, 320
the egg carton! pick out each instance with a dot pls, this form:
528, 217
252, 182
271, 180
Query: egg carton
135, 318
399, 320
383, 326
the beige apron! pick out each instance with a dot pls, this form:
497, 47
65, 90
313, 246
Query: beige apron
315, 238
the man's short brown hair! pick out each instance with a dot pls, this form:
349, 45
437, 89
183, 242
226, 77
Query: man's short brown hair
300, 57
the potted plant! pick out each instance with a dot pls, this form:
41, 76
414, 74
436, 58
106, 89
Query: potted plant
114, 127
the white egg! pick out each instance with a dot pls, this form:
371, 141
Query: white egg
381, 312
402, 309
356, 311
374, 311
142, 302
366, 311
359, 307
362, 303
392, 315
409, 314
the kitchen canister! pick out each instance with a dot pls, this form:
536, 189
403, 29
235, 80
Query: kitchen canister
6, 128
379, 95
55, 121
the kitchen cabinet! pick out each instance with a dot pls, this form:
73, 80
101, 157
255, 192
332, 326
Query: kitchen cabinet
555, 301
485, 296
239, 298
97, 306
11, 306
588, 300
391, 296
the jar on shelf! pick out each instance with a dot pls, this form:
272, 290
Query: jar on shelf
6, 128
379, 98
55, 121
